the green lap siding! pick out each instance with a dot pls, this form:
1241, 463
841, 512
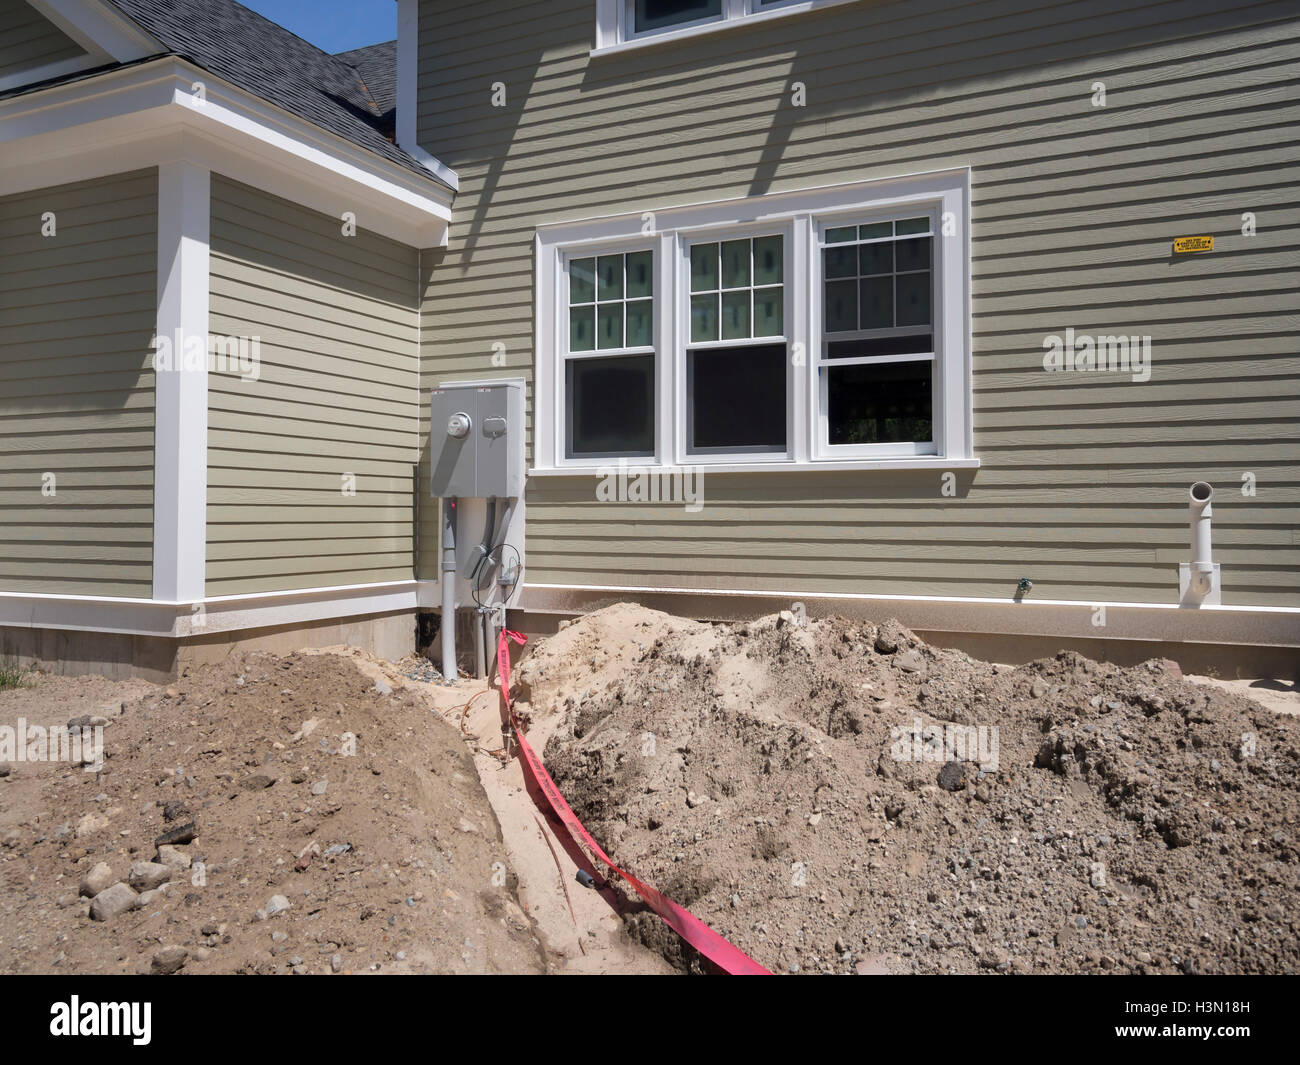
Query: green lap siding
1084, 480
336, 394
77, 312
28, 40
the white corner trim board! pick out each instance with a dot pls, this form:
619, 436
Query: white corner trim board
181, 383
408, 90
169, 109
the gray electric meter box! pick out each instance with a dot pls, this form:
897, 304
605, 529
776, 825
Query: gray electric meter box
476, 440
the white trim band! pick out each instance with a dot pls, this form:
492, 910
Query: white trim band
227, 613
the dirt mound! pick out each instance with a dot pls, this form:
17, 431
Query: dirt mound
325, 821
837, 797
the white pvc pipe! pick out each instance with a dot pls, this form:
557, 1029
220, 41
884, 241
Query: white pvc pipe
1201, 514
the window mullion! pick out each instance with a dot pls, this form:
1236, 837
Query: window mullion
800, 299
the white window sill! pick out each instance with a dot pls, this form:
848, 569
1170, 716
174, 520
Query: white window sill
919, 462
649, 40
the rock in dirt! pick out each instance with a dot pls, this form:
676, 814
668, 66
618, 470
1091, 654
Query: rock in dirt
175, 810
169, 960
891, 636
173, 857
90, 824
277, 904
97, 879
952, 777
185, 833
111, 901
911, 661
145, 876
147, 898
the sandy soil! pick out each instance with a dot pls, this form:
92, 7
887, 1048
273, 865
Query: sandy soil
384, 849
1130, 821
1134, 821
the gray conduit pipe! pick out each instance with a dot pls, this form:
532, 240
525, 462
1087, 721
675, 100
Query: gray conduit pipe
484, 551
449, 590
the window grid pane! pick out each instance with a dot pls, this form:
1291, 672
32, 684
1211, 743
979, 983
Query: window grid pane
738, 289
658, 14
877, 279
611, 302
877, 275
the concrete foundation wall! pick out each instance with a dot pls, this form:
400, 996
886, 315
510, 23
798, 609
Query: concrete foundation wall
1246, 656
159, 659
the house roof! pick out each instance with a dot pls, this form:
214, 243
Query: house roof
352, 94
376, 66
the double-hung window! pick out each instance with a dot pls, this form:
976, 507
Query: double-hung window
876, 358
737, 355
609, 358
827, 328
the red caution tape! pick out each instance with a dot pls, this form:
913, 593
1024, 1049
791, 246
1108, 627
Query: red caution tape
683, 922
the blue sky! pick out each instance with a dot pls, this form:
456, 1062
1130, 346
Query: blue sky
334, 25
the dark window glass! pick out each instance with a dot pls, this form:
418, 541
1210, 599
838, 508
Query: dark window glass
913, 254
880, 403
893, 281
736, 398
917, 344
656, 14
611, 406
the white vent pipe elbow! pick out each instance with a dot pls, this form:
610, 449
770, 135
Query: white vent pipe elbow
1200, 514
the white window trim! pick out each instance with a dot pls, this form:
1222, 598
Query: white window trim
796, 214
615, 33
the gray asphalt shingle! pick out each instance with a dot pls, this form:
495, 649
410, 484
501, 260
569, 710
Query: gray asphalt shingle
351, 94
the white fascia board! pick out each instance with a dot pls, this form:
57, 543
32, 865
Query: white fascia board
124, 120
150, 617
181, 385
99, 28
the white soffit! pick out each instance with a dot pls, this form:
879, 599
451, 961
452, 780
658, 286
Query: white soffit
170, 109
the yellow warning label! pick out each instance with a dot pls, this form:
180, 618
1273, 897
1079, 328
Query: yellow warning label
1182, 244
